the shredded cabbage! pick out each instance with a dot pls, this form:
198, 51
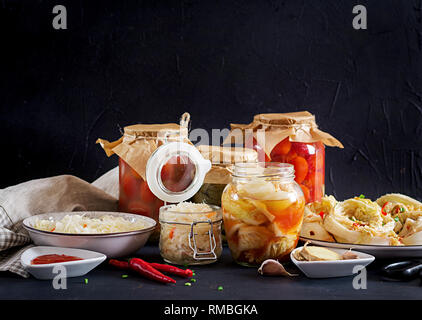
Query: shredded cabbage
81, 224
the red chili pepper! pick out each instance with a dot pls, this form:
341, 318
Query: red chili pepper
172, 269
119, 264
145, 269
383, 207
322, 213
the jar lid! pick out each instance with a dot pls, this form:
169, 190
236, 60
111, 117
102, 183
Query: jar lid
290, 118
228, 155
155, 130
167, 130
175, 171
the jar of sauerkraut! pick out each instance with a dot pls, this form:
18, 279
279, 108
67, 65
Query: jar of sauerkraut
190, 233
263, 211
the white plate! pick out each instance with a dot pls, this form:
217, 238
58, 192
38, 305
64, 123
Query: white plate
331, 269
77, 268
378, 251
113, 245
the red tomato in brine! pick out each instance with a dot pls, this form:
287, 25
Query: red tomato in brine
281, 148
303, 149
301, 169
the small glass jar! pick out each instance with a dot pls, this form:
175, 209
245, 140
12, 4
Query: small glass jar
263, 211
190, 238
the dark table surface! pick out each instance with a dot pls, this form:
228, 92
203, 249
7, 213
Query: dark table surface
238, 282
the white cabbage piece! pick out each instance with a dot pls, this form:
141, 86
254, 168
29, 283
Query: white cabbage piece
411, 232
253, 237
260, 189
312, 226
360, 221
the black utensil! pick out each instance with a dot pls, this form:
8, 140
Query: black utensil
403, 270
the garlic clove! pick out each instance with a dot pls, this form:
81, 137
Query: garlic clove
272, 267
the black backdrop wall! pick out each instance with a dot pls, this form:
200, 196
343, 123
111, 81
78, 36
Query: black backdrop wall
126, 62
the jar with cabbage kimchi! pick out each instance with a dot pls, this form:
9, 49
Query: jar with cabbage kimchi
290, 138
263, 211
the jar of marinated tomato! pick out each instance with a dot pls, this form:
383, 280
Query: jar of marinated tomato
134, 149
291, 138
263, 211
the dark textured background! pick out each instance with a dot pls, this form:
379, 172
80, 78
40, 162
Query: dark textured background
125, 62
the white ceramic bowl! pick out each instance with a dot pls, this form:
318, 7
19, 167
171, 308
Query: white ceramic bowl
113, 245
331, 269
77, 268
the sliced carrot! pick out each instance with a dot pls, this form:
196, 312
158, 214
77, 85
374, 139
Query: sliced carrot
171, 233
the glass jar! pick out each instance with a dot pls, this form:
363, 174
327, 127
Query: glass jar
134, 149
308, 160
263, 211
135, 195
290, 138
222, 159
190, 237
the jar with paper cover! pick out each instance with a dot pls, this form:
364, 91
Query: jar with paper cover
134, 149
290, 138
222, 159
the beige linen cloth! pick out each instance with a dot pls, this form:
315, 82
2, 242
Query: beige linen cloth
55, 194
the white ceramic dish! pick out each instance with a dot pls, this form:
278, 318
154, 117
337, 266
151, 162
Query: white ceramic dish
77, 268
378, 251
113, 245
331, 269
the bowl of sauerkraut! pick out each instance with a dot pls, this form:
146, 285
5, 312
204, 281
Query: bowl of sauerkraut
114, 234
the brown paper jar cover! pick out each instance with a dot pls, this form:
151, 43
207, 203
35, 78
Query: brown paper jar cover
139, 141
275, 127
222, 159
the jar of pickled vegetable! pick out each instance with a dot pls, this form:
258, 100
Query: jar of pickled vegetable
222, 159
291, 138
134, 149
263, 211
135, 195
190, 233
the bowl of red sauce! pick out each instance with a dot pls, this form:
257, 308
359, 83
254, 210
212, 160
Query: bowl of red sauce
44, 262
